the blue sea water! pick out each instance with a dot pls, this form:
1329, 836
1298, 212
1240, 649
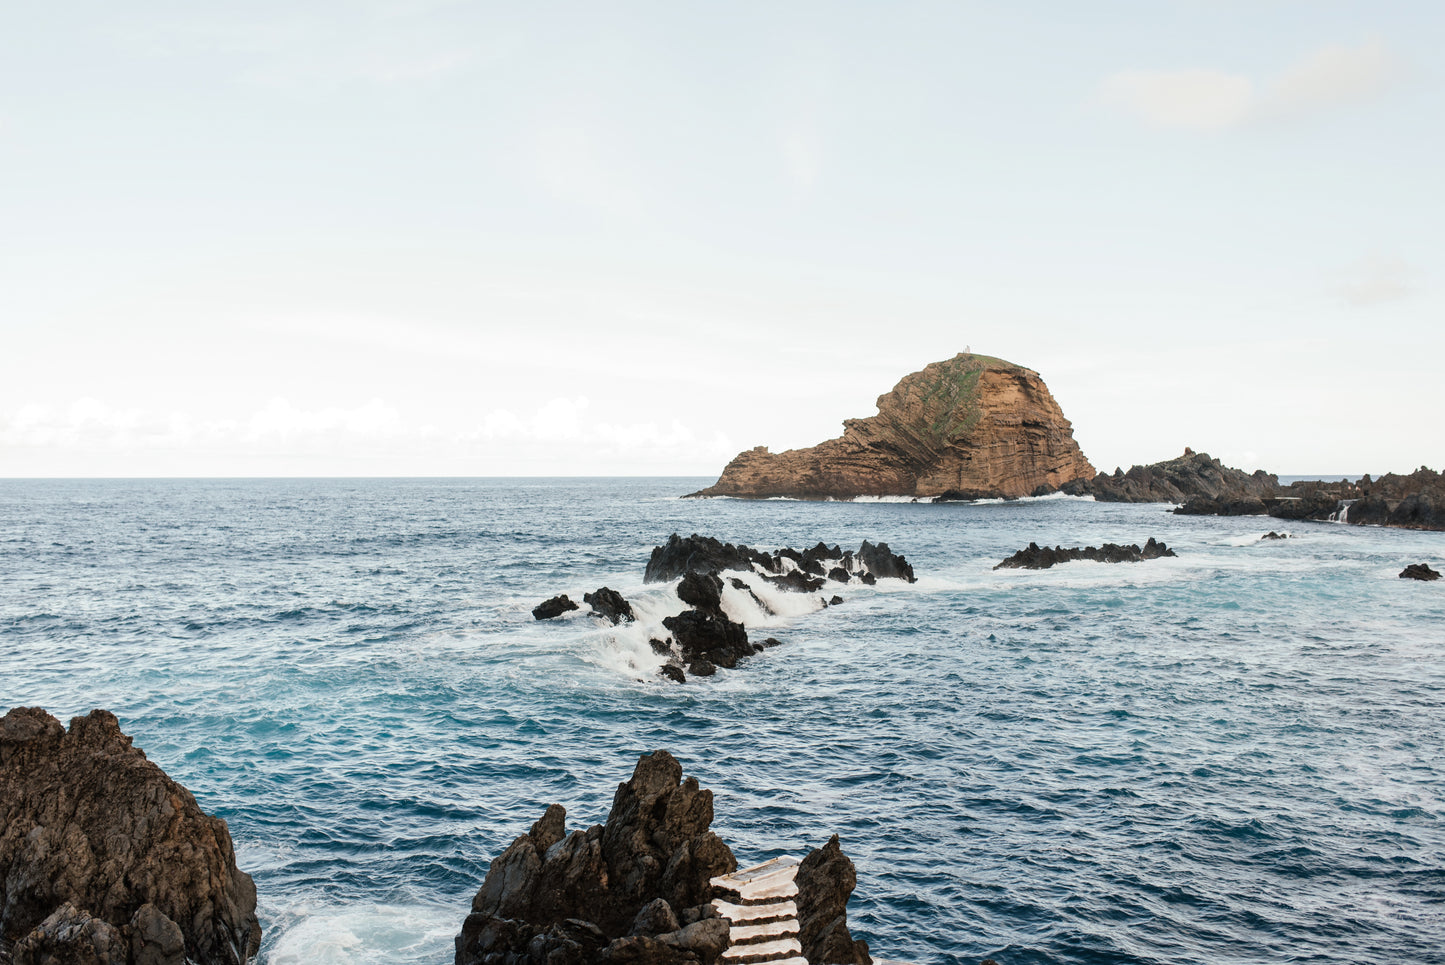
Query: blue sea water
1234, 756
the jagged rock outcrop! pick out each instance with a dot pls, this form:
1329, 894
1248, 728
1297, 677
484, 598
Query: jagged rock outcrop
825, 880
1036, 557
105, 859
1194, 474
970, 423
610, 605
704, 554
635, 890
1419, 571
1414, 501
554, 607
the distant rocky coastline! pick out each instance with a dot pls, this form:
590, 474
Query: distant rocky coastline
971, 424
976, 427
704, 638
1194, 474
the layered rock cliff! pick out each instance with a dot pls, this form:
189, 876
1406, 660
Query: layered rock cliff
971, 426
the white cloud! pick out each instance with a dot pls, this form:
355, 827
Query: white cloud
558, 437
1212, 100
1375, 280
1202, 100
1334, 75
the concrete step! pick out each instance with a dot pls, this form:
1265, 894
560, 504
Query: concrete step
766, 931
753, 914
743, 875
770, 951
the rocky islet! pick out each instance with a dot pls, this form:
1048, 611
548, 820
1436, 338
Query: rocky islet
972, 424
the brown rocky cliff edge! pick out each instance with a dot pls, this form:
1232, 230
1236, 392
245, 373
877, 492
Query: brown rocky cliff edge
972, 425
105, 858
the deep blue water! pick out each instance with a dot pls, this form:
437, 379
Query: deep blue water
1234, 756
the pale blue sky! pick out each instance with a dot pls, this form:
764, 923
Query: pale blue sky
449, 237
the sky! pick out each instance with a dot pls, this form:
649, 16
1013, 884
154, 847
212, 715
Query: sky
434, 237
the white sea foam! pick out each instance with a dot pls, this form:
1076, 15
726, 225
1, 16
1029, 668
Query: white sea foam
366, 934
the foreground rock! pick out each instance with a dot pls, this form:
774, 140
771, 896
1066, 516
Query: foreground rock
971, 423
1035, 557
825, 879
1419, 571
1194, 474
637, 889
106, 860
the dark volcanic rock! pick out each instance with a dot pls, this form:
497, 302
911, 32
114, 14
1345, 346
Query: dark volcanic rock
610, 893
554, 607
883, 563
1422, 510
103, 858
702, 591
702, 553
609, 604
1175, 481
825, 880
1035, 557
1419, 571
712, 637
797, 582
1273, 535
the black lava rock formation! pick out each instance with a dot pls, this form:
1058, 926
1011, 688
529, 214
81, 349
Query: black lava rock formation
1419, 571
554, 607
635, 890
704, 554
609, 604
825, 880
1035, 557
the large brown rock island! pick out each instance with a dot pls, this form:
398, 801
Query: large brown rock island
969, 427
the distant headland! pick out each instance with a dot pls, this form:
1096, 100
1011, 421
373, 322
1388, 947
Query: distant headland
972, 425
978, 427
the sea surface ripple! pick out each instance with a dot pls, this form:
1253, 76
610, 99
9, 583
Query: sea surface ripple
1233, 756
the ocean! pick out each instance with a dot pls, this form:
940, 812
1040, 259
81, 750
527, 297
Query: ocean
1232, 756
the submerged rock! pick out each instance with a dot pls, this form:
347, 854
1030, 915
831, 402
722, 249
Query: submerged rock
105, 859
632, 890
609, 604
1419, 571
1035, 557
554, 607
1273, 535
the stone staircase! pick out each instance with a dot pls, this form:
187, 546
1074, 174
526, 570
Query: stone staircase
759, 903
